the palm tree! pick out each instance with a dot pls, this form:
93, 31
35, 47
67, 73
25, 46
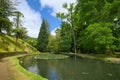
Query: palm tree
21, 33
17, 20
18, 31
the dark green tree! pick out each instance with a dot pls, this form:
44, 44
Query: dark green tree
95, 25
69, 16
88, 12
43, 37
6, 9
65, 37
5, 25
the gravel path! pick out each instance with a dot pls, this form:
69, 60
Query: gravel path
4, 70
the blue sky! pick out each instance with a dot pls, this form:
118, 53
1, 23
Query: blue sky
45, 13
35, 10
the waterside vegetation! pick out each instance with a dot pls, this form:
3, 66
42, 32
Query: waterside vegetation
18, 72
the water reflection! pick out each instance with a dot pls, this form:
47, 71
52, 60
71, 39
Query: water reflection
72, 69
33, 69
52, 74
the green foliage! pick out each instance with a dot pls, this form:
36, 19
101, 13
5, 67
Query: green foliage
52, 45
50, 56
91, 26
69, 16
95, 26
98, 38
62, 41
5, 25
54, 42
17, 21
57, 40
6, 8
43, 37
88, 13
20, 32
65, 37
8, 44
31, 41
116, 33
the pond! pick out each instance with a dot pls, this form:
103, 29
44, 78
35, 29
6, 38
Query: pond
72, 68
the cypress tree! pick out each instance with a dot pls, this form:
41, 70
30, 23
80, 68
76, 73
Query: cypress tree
43, 37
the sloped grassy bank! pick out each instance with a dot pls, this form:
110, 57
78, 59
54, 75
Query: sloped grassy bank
8, 45
18, 72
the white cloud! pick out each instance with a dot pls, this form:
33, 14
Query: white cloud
56, 5
32, 19
53, 31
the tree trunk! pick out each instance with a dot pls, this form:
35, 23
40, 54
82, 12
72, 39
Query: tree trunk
74, 38
16, 44
73, 32
0, 30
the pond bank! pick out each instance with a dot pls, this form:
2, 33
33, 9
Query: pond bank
104, 57
8, 54
12, 70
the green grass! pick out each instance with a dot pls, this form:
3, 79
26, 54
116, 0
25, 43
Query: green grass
19, 73
111, 58
7, 44
50, 56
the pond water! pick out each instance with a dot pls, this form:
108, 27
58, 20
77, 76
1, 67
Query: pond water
72, 68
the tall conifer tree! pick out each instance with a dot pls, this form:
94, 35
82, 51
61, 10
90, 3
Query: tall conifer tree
43, 37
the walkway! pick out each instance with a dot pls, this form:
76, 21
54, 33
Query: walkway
4, 71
